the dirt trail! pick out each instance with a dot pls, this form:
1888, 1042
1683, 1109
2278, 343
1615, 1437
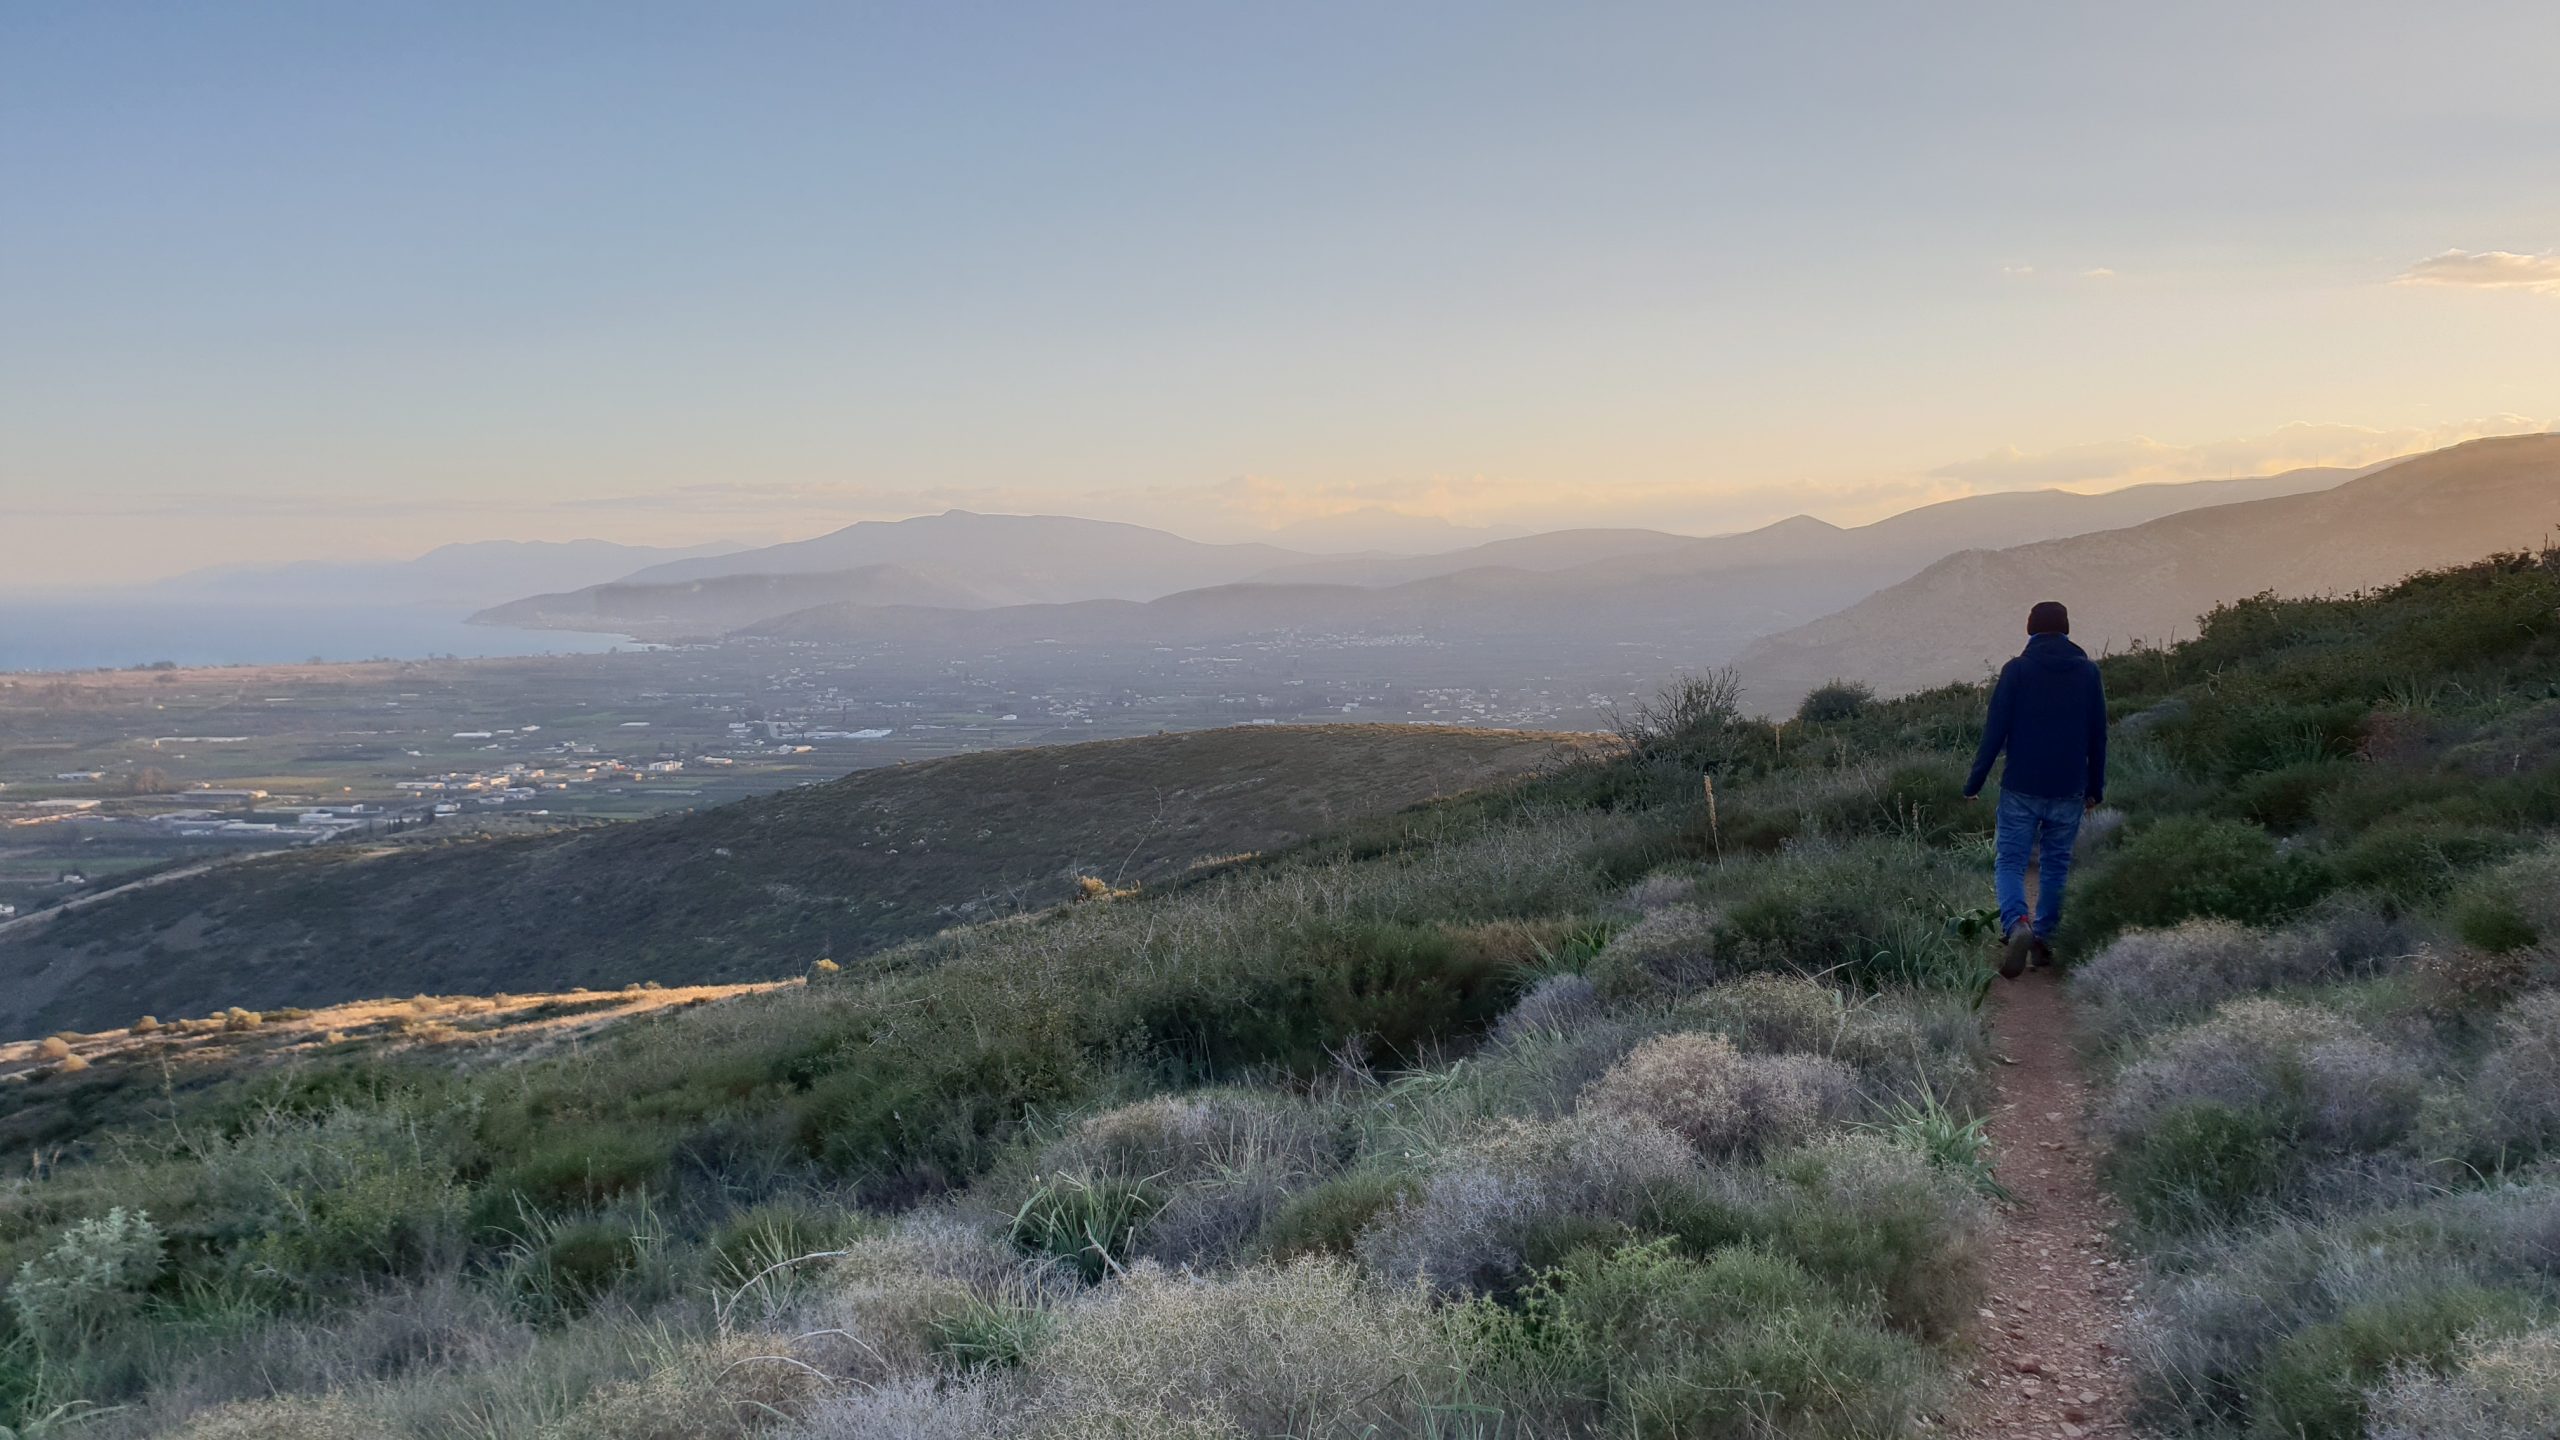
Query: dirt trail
2050, 1329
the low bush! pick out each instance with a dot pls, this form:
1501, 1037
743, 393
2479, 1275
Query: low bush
1327, 1218
2321, 1079
1088, 1222
1874, 1220
2314, 1386
1670, 950
2518, 1084
1555, 1004
2148, 979
1724, 1102
1470, 1225
1304, 1349
2187, 867
92, 1276
1737, 1342
2202, 1162
2416, 862
2284, 800
1834, 701
2499, 1387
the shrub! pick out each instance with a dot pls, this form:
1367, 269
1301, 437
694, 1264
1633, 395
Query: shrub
2458, 980
1086, 1221
2201, 1162
1671, 949
1328, 1218
581, 1169
2416, 862
1881, 1222
1179, 1138
2518, 1085
1719, 1100
560, 1268
2321, 1078
1770, 1012
2147, 979
94, 1275
752, 1242
2314, 1386
302, 1201
1302, 1349
930, 1291
1803, 925
2500, 1388
1834, 701
2188, 866
2283, 800
1740, 1342
53, 1047
1469, 1225
1553, 1005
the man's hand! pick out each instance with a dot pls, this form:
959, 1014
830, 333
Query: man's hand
2089, 804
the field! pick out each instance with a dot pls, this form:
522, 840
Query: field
614, 736
754, 890
1576, 1106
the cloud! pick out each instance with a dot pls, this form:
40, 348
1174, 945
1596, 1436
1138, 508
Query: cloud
2099, 273
2018, 270
2487, 270
2141, 460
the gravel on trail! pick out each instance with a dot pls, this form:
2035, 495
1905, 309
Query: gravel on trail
2048, 1339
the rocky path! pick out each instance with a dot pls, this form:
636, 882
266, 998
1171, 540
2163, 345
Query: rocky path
2051, 1365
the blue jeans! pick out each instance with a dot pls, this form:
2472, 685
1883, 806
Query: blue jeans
2031, 825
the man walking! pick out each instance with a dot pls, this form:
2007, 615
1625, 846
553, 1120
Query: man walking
2049, 712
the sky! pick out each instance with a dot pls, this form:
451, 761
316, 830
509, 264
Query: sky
291, 280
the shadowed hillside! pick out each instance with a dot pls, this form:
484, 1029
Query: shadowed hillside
745, 891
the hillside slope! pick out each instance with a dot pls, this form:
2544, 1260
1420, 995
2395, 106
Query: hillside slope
745, 891
1962, 616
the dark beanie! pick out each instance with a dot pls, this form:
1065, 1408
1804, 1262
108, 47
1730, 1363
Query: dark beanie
2048, 618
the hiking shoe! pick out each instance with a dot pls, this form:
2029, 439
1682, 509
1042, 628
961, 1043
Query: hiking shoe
2040, 953
2013, 952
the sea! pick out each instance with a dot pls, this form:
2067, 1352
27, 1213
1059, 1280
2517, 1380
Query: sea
49, 633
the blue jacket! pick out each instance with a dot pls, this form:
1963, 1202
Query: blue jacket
2049, 712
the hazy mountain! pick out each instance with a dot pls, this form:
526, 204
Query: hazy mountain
701, 608
457, 577
1555, 550
1626, 594
1006, 559
1375, 528
1960, 617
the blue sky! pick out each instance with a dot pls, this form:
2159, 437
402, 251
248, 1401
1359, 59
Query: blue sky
290, 279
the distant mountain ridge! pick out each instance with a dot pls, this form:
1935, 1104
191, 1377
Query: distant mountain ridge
1691, 601
464, 576
707, 608
1960, 617
1010, 559
1061, 580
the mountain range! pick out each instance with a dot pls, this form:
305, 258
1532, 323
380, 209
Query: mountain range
1020, 580
1961, 616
